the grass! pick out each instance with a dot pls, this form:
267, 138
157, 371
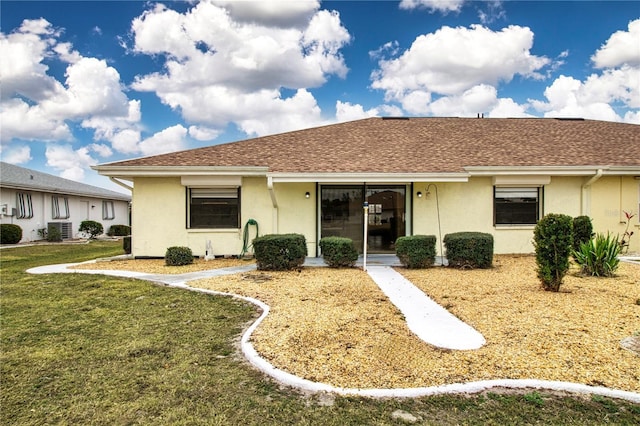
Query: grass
91, 349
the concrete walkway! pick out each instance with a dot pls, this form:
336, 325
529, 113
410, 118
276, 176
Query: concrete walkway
426, 319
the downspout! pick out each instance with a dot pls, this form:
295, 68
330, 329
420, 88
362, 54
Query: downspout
585, 204
272, 194
122, 184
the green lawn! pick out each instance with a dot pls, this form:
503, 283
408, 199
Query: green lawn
91, 349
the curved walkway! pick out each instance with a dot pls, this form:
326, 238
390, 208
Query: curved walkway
402, 294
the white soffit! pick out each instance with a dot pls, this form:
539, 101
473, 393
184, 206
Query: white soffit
537, 180
208, 181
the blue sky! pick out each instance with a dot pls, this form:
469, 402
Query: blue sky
93, 82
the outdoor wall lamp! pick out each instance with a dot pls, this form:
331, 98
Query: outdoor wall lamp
419, 194
307, 194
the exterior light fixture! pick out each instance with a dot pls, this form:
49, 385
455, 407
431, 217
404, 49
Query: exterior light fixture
419, 194
307, 194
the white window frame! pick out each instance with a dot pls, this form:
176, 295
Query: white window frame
224, 195
517, 193
24, 205
108, 210
59, 207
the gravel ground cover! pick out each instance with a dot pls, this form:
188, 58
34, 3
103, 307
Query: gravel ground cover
335, 326
157, 266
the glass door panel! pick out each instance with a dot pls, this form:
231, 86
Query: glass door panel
342, 213
386, 217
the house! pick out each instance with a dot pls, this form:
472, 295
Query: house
419, 176
34, 200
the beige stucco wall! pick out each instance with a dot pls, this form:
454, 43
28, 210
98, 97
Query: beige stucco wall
469, 207
159, 217
159, 212
609, 198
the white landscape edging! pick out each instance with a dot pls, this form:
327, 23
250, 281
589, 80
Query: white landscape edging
303, 384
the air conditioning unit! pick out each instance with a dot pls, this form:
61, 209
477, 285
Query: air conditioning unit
65, 228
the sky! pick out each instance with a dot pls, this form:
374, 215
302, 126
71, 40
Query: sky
93, 82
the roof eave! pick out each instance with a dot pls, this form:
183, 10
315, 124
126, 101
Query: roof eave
129, 172
329, 177
552, 170
48, 190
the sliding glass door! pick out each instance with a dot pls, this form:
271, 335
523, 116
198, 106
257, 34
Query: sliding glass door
342, 214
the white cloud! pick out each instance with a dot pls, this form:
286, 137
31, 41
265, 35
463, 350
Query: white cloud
36, 106
623, 47
613, 94
168, 140
16, 155
229, 65
69, 162
453, 60
279, 13
346, 111
443, 6
101, 149
569, 97
202, 133
471, 102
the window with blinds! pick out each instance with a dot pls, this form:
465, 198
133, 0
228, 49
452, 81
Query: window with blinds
108, 210
24, 205
59, 207
214, 208
516, 206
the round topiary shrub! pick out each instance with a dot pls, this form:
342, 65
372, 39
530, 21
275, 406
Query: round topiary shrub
338, 252
416, 251
178, 256
582, 231
119, 231
91, 227
10, 233
552, 239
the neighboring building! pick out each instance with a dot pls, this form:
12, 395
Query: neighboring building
419, 175
33, 200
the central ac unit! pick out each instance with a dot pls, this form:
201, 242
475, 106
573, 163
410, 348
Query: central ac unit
65, 228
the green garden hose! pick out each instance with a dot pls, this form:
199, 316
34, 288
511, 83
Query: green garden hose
245, 236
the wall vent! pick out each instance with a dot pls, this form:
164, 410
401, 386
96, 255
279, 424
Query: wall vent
65, 228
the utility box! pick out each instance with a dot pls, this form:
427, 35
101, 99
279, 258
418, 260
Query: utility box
65, 228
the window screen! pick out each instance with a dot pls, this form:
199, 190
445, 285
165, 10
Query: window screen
214, 208
24, 205
59, 207
516, 206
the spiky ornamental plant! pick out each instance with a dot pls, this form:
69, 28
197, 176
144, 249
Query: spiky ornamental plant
599, 256
553, 241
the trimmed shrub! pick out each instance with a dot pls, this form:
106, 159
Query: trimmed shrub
119, 231
178, 256
416, 251
126, 245
599, 256
552, 239
10, 233
53, 234
280, 252
469, 249
338, 252
582, 231
91, 227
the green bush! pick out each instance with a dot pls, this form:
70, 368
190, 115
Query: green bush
178, 256
119, 231
280, 252
416, 251
91, 227
338, 252
552, 239
599, 256
126, 244
10, 233
469, 249
582, 231
53, 234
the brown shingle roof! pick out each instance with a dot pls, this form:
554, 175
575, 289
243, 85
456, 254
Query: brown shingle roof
422, 145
